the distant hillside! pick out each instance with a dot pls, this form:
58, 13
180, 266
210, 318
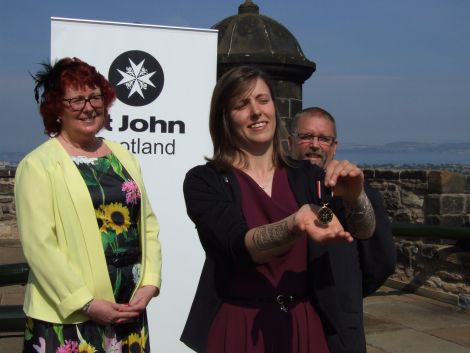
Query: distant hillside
411, 147
11, 157
454, 156
457, 168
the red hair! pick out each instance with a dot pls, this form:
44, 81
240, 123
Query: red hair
54, 80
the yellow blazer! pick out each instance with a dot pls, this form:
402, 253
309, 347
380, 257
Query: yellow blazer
60, 235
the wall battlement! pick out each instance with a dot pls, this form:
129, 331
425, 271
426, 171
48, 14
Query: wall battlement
433, 197
8, 228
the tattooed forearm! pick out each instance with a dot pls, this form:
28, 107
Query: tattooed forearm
360, 217
272, 235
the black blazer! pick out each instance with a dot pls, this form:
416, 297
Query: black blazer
341, 274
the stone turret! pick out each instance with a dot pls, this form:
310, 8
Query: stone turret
255, 39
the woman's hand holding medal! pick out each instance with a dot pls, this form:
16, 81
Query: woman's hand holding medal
319, 222
306, 220
343, 176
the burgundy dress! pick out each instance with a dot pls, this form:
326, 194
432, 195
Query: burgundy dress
251, 320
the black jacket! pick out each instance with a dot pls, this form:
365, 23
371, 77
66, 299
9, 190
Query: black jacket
341, 274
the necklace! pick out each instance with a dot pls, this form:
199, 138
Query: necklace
266, 184
262, 177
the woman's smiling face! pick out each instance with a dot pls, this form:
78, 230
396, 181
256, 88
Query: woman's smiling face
87, 121
253, 117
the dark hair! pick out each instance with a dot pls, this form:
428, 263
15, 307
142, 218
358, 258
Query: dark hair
308, 112
230, 85
53, 80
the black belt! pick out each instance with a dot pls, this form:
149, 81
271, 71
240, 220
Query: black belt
283, 300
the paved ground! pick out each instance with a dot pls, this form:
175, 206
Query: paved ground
396, 322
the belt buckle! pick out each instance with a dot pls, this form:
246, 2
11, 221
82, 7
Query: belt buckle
283, 300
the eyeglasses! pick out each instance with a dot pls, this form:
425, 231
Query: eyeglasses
78, 103
309, 138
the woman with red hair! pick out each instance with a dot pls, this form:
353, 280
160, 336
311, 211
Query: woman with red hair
88, 231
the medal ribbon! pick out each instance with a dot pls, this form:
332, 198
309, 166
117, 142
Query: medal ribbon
319, 191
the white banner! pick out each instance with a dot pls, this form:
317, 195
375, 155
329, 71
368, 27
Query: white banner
164, 78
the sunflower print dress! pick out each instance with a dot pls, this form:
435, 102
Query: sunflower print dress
116, 199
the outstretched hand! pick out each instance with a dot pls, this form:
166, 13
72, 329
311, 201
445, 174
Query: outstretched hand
306, 220
346, 178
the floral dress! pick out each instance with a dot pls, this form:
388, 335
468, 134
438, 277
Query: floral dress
116, 199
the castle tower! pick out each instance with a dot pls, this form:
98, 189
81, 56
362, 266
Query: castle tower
251, 38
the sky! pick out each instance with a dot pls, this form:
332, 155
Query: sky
388, 70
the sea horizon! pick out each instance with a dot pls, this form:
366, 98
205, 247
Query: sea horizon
417, 158
403, 158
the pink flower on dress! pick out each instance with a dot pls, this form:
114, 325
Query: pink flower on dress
132, 191
111, 344
41, 348
68, 347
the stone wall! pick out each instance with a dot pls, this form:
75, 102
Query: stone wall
435, 197
432, 197
433, 267
8, 228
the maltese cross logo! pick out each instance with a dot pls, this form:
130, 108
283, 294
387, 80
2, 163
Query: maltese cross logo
137, 77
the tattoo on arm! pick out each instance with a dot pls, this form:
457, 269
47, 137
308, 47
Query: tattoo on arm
360, 217
272, 235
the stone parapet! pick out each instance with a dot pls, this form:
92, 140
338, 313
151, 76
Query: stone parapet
428, 264
433, 197
8, 227
442, 181
437, 197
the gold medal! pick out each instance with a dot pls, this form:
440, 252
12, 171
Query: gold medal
325, 214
